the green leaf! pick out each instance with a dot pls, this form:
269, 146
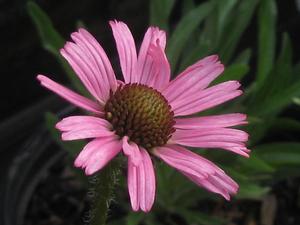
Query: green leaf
160, 11
184, 29
254, 165
235, 28
201, 49
224, 14
134, 218
73, 147
296, 101
280, 153
250, 190
257, 129
280, 87
188, 5
244, 57
51, 40
296, 70
266, 39
233, 72
198, 218
273, 104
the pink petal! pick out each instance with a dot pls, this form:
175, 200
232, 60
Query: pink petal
91, 64
133, 185
81, 127
226, 120
80, 122
206, 99
95, 57
132, 151
194, 79
126, 49
161, 72
141, 183
226, 138
198, 169
89, 149
101, 154
153, 67
69, 95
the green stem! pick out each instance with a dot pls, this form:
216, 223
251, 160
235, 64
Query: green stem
104, 184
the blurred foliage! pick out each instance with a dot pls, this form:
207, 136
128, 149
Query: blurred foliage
52, 41
216, 27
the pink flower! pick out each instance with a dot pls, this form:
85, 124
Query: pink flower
143, 115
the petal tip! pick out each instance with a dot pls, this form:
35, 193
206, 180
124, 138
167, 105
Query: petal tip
40, 77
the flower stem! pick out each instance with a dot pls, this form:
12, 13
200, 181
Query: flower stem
104, 185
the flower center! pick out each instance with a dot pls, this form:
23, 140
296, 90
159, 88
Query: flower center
141, 113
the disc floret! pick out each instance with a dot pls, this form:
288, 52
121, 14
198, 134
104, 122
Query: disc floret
141, 113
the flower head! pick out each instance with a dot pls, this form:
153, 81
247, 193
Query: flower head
142, 116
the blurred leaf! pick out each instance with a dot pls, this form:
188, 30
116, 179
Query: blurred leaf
274, 104
212, 34
160, 11
198, 218
244, 57
51, 40
266, 39
280, 88
233, 72
117, 222
286, 97
296, 70
184, 29
280, 153
187, 6
285, 124
254, 165
224, 9
73, 147
296, 101
257, 129
250, 190
247, 188
134, 218
233, 31
201, 49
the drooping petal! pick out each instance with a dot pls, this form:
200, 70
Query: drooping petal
153, 68
98, 153
226, 120
161, 68
96, 58
147, 177
194, 79
226, 138
126, 49
132, 151
133, 185
70, 96
206, 99
86, 153
198, 169
141, 183
81, 127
